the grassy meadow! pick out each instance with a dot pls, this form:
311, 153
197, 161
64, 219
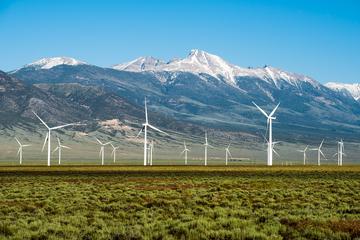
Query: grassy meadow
178, 202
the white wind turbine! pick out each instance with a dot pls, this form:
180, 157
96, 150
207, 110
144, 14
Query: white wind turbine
269, 126
113, 153
227, 154
319, 152
206, 145
185, 152
304, 152
144, 129
58, 148
48, 135
102, 150
20, 151
340, 152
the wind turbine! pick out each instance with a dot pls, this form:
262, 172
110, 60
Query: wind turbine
48, 135
114, 151
144, 129
102, 150
340, 152
185, 151
227, 154
319, 152
304, 151
206, 145
20, 151
269, 126
58, 148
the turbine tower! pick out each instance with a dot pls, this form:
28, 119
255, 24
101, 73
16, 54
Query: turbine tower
269, 126
319, 152
58, 148
304, 152
185, 152
113, 153
340, 152
102, 150
151, 149
206, 145
20, 151
144, 129
227, 154
48, 135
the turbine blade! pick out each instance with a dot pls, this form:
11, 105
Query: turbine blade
321, 143
322, 153
276, 152
65, 125
18, 141
59, 141
156, 129
26, 145
63, 146
98, 141
57, 148
273, 111
41, 120
18, 152
262, 111
141, 130
46, 138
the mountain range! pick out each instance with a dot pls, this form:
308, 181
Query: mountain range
190, 95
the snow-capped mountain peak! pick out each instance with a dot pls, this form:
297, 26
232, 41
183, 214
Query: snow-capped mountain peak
47, 63
198, 61
353, 89
140, 64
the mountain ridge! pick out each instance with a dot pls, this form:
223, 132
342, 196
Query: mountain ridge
352, 88
207, 100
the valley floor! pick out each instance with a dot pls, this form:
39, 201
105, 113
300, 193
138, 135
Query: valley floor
178, 202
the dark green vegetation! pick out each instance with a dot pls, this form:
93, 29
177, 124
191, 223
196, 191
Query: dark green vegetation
180, 202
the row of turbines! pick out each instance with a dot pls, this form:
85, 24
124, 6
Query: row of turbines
149, 145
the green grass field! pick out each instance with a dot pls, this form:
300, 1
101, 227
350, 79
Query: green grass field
194, 202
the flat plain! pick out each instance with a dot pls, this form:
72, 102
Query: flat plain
180, 202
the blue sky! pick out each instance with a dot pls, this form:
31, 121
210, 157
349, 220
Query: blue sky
314, 37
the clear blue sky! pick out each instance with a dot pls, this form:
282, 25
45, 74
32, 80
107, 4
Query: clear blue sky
314, 37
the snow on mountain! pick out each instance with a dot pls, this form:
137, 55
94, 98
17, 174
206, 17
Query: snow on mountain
202, 62
352, 89
140, 64
199, 61
47, 63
